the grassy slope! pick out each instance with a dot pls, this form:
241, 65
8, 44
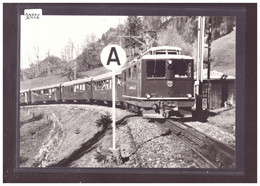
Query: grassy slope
223, 60
224, 54
42, 81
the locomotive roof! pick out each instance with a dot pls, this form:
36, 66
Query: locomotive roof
46, 87
166, 56
78, 81
164, 48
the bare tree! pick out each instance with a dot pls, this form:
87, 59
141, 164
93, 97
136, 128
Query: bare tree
37, 54
48, 63
32, 68
77, 51
70, 68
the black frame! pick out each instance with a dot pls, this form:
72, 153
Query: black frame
246, 106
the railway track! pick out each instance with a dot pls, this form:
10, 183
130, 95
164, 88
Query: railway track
210, 153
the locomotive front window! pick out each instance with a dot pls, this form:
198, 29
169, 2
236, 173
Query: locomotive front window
156, 68
182, 69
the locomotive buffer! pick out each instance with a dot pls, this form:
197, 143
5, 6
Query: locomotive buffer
113, 57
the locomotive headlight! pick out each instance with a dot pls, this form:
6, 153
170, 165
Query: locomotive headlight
189, 95
170, 65
148, 95
169, 62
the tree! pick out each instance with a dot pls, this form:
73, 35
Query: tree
37, 69
31, 70
70, 68
90, 38
134, 28
68, 71
48, 63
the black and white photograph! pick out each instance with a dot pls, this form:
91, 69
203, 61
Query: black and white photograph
129, 93
174, 103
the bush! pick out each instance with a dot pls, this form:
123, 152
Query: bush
104, 121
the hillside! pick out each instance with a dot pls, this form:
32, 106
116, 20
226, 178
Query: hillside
224, 54
43, 81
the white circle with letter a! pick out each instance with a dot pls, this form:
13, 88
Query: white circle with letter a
113, 57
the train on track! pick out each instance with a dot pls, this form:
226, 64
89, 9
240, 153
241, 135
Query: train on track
159, 83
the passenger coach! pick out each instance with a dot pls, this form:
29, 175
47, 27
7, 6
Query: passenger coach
77, 90
25, 97
46, 94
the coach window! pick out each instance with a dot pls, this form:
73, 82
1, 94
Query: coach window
135, 72
106, 84
88, 85
80, 87
132, 73
129, 73
124, 75
119, 81
102, 85
98, 85
110, 84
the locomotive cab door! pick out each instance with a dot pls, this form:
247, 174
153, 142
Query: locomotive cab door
119, 87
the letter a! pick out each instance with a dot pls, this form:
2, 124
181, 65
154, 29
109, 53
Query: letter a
113, 49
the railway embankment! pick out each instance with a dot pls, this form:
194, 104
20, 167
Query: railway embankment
68, 136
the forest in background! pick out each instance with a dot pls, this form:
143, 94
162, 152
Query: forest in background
148, 31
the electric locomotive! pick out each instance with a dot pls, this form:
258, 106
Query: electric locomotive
161, 83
